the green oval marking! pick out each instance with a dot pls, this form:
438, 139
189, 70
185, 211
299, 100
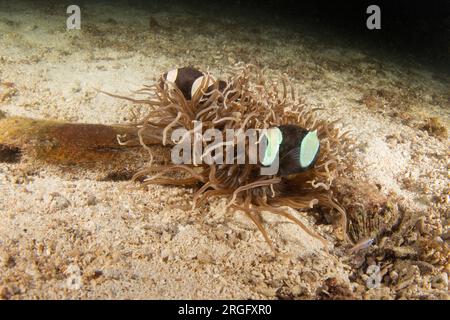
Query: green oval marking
309, 148
274, 139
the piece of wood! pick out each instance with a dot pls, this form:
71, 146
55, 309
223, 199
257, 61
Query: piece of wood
64, 143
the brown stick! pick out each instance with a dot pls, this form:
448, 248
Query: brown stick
65, 143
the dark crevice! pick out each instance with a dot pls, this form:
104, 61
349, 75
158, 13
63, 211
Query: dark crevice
9, 154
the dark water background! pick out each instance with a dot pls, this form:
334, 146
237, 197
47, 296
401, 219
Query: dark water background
414, 31
411, 30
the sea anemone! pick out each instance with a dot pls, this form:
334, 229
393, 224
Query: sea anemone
247, 99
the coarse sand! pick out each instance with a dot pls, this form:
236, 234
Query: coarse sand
67, 233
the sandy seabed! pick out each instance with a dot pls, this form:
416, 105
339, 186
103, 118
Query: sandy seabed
67, 233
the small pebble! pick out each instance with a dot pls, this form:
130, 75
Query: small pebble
58, 202
91, 200
440, 281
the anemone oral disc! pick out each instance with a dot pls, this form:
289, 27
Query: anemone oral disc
274, 139
309, 148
